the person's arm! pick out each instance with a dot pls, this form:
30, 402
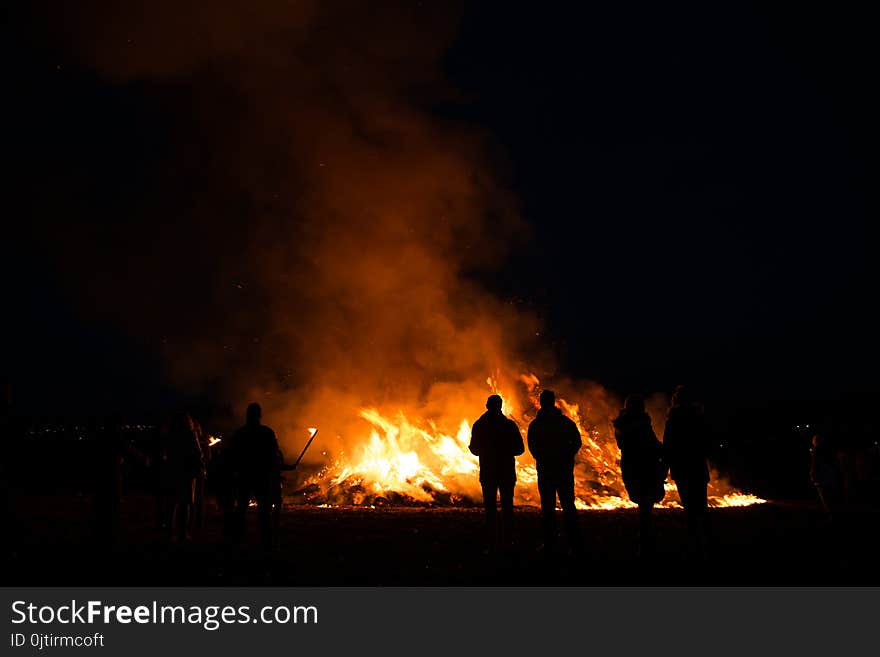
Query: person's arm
618, 437
533, 437
516, 442
192, 452
476, 445
651, 433
574, 440
201, 451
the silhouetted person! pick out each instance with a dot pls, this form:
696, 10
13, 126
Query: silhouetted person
686, 449
641, 464
554, 441
197, 518
257, 461
111, 451
183, 462
496, 440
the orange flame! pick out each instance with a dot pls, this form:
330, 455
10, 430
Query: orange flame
413, 460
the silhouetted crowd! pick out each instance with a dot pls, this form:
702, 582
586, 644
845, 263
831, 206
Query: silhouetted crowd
187, 466
554, 441
844, 466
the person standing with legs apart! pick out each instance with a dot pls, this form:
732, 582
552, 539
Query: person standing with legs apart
554, 441
257, 462
686, 448
642, 466
496, 440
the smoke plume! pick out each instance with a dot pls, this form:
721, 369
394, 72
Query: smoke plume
309, 237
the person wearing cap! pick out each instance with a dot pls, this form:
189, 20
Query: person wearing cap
497, 441
641, 465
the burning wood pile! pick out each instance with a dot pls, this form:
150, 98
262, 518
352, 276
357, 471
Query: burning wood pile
406, 461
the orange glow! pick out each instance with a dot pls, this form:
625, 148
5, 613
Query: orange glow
405, 457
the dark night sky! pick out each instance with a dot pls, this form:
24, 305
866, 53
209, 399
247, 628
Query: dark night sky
715, 163
696, 181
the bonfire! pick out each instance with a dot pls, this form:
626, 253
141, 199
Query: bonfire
404, 460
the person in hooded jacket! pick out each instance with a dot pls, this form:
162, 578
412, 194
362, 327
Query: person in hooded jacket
642, 466
686, 449
496, 440
554, 441
183, 463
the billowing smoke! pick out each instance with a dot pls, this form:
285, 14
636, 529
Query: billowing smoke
293, 215
311, 238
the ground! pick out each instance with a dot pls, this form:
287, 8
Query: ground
773, 544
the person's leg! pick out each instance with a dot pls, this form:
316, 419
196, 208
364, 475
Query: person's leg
193, 508
264, 512
566, 501
276, 513
184, 507
506, 494
230, 518
198, 519
684, 495
689, 492
547, 490
701, 504
243, 499
490, 506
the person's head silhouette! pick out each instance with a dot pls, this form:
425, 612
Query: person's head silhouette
494, 403
547, 399
634, 404
254, 413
